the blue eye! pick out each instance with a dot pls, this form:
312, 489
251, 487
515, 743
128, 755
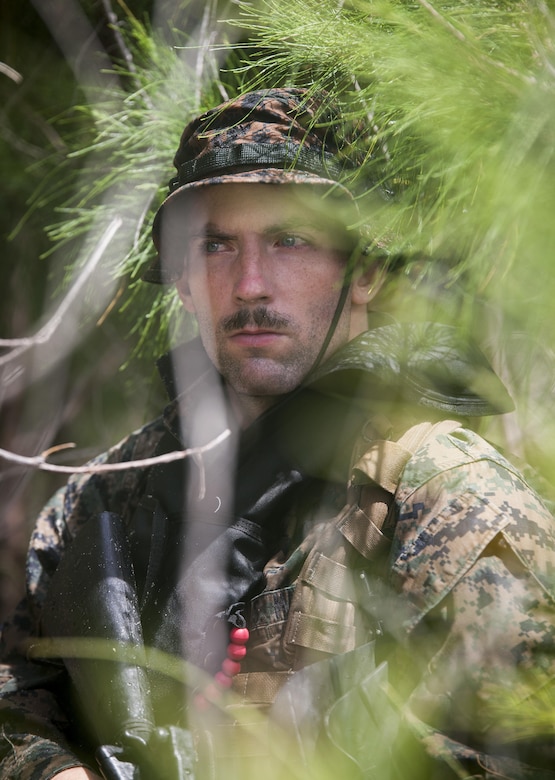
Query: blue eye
211, 246
291, 240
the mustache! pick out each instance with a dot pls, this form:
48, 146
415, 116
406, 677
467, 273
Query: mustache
260, 316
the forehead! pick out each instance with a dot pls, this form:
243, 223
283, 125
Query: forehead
256, 205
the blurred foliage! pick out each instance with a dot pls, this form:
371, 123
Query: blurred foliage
459, 97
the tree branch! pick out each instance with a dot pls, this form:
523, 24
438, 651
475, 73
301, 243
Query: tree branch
11, 73
39, 461
45, 333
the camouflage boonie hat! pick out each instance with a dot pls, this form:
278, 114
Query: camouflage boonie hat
274, 136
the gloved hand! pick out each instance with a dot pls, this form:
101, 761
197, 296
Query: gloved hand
167, 754
227, 568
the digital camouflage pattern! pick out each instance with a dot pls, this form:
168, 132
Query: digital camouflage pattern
451, 575
473, 561
464, 601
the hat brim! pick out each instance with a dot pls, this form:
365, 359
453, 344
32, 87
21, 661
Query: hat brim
156, 273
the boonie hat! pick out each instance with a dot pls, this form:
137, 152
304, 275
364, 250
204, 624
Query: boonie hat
274, 136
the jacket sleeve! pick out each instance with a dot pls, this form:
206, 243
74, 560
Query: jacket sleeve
33, 742
37, 739
474, 563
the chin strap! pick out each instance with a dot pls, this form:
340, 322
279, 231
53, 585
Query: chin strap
345, 287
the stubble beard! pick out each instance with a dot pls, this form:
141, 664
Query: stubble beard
259, 375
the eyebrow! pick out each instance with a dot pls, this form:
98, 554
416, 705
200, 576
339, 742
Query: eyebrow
211, 229
295, 224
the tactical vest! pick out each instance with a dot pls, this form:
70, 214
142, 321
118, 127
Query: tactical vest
324, 613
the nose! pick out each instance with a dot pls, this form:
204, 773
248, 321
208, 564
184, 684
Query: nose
252, 282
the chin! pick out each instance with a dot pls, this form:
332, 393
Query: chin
265, 381
262, 388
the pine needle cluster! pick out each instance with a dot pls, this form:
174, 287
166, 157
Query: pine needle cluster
458, 100
122, 149
448, 89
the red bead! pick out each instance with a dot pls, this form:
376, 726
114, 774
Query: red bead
201, 702
239, 636
223, 680
212, 692
236, 652
231, 668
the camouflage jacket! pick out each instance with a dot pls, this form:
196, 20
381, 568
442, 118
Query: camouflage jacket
454, 572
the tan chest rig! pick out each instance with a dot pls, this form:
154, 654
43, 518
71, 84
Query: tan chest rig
322, 612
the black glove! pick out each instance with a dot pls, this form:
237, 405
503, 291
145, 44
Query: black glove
168, 754
227, 569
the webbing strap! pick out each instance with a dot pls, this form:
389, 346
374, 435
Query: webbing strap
288, 156
362, 527
259, 687
318, 633
329, 574
384, 461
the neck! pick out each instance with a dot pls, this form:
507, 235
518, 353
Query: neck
248, 408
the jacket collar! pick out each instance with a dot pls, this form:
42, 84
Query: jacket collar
422, 366
427, 365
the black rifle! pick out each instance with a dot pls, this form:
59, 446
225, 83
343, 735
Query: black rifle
93, 596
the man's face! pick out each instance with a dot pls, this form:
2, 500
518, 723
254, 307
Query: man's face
263, 273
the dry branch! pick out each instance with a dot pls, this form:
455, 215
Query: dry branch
39, 461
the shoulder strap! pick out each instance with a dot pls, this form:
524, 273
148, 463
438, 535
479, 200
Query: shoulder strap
383, 460
375, 478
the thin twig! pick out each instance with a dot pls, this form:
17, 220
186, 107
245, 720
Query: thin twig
16, 142
442, 20
11, 73
125, 51
47, 331
39, 462
113, 23
107, 311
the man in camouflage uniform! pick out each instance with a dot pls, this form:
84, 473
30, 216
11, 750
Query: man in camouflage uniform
395, 573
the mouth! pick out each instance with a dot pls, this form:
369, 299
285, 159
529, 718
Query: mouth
256, 328
255, 337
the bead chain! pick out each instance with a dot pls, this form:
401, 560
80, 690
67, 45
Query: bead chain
223, 680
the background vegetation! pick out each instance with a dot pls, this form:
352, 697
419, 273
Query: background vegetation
93, 96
